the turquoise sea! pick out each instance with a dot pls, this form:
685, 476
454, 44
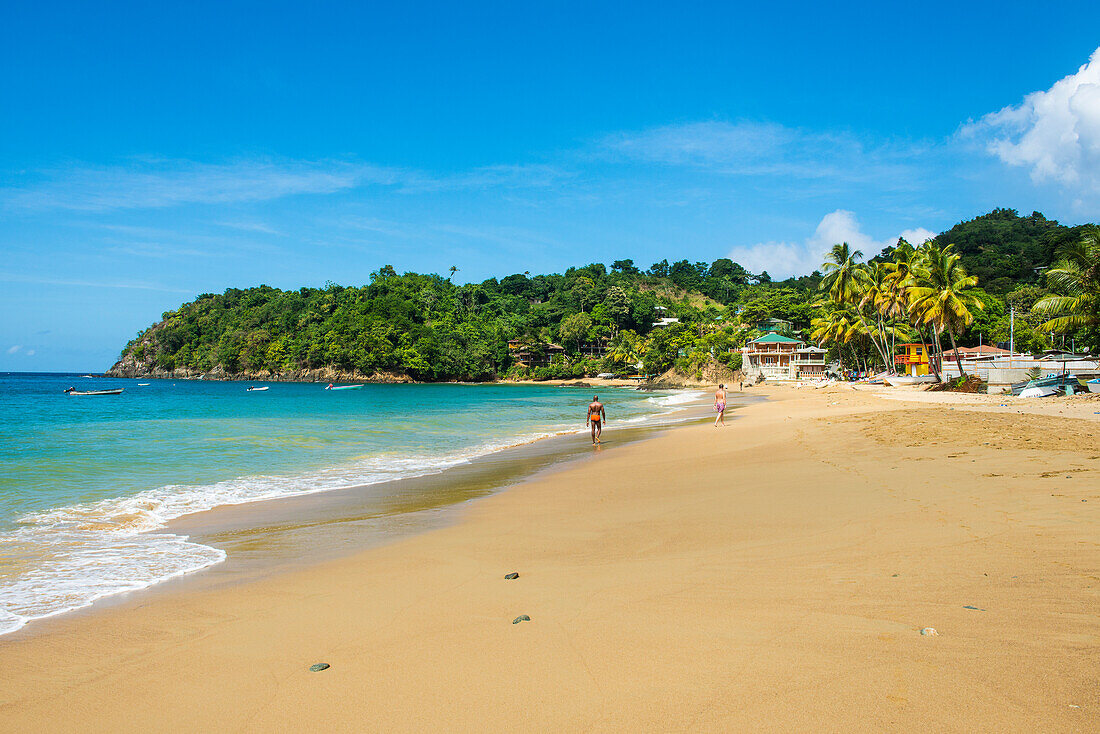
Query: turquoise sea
87, 481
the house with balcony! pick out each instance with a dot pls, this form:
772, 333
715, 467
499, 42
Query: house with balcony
779, 357
809, 363
912, 360
525, 354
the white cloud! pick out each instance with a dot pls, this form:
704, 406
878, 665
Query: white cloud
532, 175
1055, 133
30, 352
161, 183
260, 227
14, 348
784, 259
133, 285
156, 183
767, 149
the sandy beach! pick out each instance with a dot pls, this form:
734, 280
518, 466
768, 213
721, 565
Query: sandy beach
772, 575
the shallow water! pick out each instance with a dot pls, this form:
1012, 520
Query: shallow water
86, 479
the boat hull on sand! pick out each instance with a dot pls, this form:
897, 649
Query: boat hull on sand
902, 380
1044, 391
1094, 385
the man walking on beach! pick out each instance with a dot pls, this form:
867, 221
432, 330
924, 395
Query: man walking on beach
596, 416
720, 405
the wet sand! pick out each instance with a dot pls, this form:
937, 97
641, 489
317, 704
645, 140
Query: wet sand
773, 574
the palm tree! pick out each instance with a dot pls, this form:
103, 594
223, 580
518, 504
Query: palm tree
842, 272
1076, 277
879, 292
940, 295
623, 350
840, 325
903, 278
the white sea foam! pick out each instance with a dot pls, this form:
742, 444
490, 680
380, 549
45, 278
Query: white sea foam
66, 558
678, 398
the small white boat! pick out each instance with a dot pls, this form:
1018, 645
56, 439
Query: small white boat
343, 387
1094, 385
257, 389
900, 380
143, 384
1041, 391
74, 391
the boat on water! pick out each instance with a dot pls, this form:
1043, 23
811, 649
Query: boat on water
143, 384
901, 380
343, 387
1093, 385
74, 391
257, 389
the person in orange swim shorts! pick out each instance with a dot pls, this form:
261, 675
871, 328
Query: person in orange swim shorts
596, 417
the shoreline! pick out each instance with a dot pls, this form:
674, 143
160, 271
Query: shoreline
773, 574
261, 536
646, 384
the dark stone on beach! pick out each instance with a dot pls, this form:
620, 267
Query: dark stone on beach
318, 667
512, 575
521, 618
972, 607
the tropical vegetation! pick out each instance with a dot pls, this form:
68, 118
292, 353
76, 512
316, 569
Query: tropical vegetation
1000, 273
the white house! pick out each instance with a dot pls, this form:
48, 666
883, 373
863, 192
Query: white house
778, 357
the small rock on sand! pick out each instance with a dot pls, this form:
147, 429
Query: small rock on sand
521, 618
928, 631
318, 667
512, 575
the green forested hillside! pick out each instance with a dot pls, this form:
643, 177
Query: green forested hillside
1004, 249
428, 328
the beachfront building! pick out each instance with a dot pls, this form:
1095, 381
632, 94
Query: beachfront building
779, 357
913, 359
979, 352
525, 354
809, 363
594, 349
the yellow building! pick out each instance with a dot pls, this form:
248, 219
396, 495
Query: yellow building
913, 360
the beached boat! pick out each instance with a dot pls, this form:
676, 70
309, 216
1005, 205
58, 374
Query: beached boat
343, 387
900, 380
1046, 386
257, 389
74, 391
1093, 385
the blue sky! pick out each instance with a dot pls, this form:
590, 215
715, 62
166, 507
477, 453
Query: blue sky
148, 154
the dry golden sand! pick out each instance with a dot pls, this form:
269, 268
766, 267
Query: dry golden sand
771, 576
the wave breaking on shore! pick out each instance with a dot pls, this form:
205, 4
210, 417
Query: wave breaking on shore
64, 559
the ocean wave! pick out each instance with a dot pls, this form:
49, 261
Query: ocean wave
678, 398
66, 558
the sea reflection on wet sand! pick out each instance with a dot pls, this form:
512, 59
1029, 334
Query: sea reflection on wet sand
263, 536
